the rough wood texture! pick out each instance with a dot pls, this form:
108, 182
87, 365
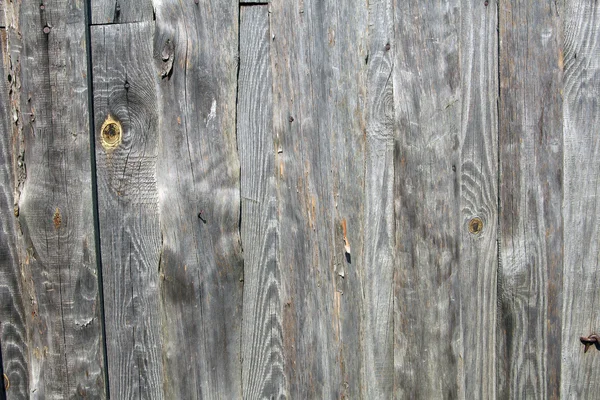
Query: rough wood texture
52, 190
198, 171
446, 171
531, 233
13, 330
581, 199
262, 341
125, 91
121, 11
2, 20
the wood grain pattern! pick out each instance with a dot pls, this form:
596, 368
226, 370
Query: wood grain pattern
119, 12
125, 82
581, 200
262, 352
446, 170
379, 226
13, 330
2, 18
530, 276
52, 190
195, 52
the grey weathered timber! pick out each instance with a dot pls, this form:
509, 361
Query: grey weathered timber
2, 20
124, 81
52, 191
254, 2
446, 170
120, 11
379, 225
198, 173
261, 336
531, 228
13, 331
581, 199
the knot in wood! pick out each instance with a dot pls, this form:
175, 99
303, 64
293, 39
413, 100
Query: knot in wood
111, 133
475, 226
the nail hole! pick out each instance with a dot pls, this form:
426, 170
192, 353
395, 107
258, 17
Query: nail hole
475, 225
111, 133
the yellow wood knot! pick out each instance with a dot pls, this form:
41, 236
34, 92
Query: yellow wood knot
57, 219
6, 382
475, 225
111, 133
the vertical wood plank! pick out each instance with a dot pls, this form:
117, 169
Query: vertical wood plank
446, 170
121, 11
262, 352
581, 200
2, 18
531, 235
13, 330
379, 225
198, 172
127, 147
52, 193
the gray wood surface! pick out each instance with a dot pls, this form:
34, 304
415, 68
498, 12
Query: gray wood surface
2, 19
262, 340
53, 194
125, 91
198, 170
446, 170
13, 313
121, 11
581, 201
531, 228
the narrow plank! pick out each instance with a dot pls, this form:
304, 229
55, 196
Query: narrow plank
127, 148
53, 195
379, 224
254, 2
445, 177
581, 201
119, 12
198, 172
531, 236
13, 330
2, 18
262, 352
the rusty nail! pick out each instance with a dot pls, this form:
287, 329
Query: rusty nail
46, 29
291, 119
593, 339
387, 47
486, 3
42, 6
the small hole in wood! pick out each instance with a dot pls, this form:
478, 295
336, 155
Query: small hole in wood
475, 225
111, 133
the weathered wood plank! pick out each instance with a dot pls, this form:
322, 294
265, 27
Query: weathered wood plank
446, 171
127, 148
119, 12
53, 192
262, 341
581, 200
531, 234
13, 331
2, 19
198, 171
254, 2
379, 225
304, 85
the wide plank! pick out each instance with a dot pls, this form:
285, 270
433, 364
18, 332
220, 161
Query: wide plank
198, 177
581, 39
445, 199
52, 192
14, 351
127, 150
120, 12
530, 276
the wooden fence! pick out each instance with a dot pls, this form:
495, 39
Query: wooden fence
303, 199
